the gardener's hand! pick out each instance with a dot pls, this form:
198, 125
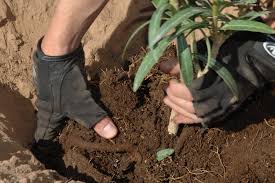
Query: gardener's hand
269, 20
250, 57
179, 97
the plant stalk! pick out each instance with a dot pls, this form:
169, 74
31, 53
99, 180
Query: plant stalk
218, 37
175, 3
173, 126
215, 19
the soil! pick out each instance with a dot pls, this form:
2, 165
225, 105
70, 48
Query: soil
17, 163
238, 149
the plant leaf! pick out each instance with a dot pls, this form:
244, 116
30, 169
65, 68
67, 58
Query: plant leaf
155, 22
185, 60
254, 14
150, 60
209, 51
223, 73
174, 21
154, 55
248, 25
162, 154
244, 2
158, 3
190, 26
142, 26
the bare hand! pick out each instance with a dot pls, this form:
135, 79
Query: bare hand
178, 96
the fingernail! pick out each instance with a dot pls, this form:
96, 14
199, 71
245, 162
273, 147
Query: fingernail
108, 128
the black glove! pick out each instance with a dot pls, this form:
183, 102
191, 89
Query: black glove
250, 57
62, 92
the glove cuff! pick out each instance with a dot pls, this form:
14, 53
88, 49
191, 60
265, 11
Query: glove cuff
43, 57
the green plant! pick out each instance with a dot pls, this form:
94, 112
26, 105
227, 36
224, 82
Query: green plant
178, 19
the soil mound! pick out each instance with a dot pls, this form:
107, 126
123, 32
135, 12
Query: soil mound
17, 124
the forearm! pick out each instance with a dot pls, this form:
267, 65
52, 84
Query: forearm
70, 22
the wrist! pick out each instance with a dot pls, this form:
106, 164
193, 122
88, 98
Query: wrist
56, 47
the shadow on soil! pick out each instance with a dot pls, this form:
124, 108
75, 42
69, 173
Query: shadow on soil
138, 12
18, 116
256, 109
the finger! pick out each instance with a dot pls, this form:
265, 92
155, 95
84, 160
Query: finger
179, 90
185, 104
271, 23
181, 119
170, 66
269, 19
178, 109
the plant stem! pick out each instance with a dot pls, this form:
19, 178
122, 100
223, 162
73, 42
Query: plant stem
174, 3
172, 126
194, 48
218, 38
215, 19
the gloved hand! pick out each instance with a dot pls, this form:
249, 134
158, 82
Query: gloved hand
250, 57
62, 92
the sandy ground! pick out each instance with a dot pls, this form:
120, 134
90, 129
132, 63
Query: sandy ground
17, 164
22, 23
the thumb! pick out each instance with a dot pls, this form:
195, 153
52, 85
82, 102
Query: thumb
170, 66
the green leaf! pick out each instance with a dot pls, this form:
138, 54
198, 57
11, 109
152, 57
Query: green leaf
223, 73
154, 55
209, 51
174, 21
162, 154
254, 14
203, 3
244, 2
158, 3
185, 58
248, 25
150, 60
190, 26
155, 22
142, 26
230, 16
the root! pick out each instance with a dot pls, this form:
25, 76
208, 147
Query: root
172, 126
195, 173
259, 139
86, 167
115, 148
220, 159
266, 122
200, 171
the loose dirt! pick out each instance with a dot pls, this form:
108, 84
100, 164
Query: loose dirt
239, 149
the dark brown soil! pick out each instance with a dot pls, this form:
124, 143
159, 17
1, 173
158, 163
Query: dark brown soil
239, 149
